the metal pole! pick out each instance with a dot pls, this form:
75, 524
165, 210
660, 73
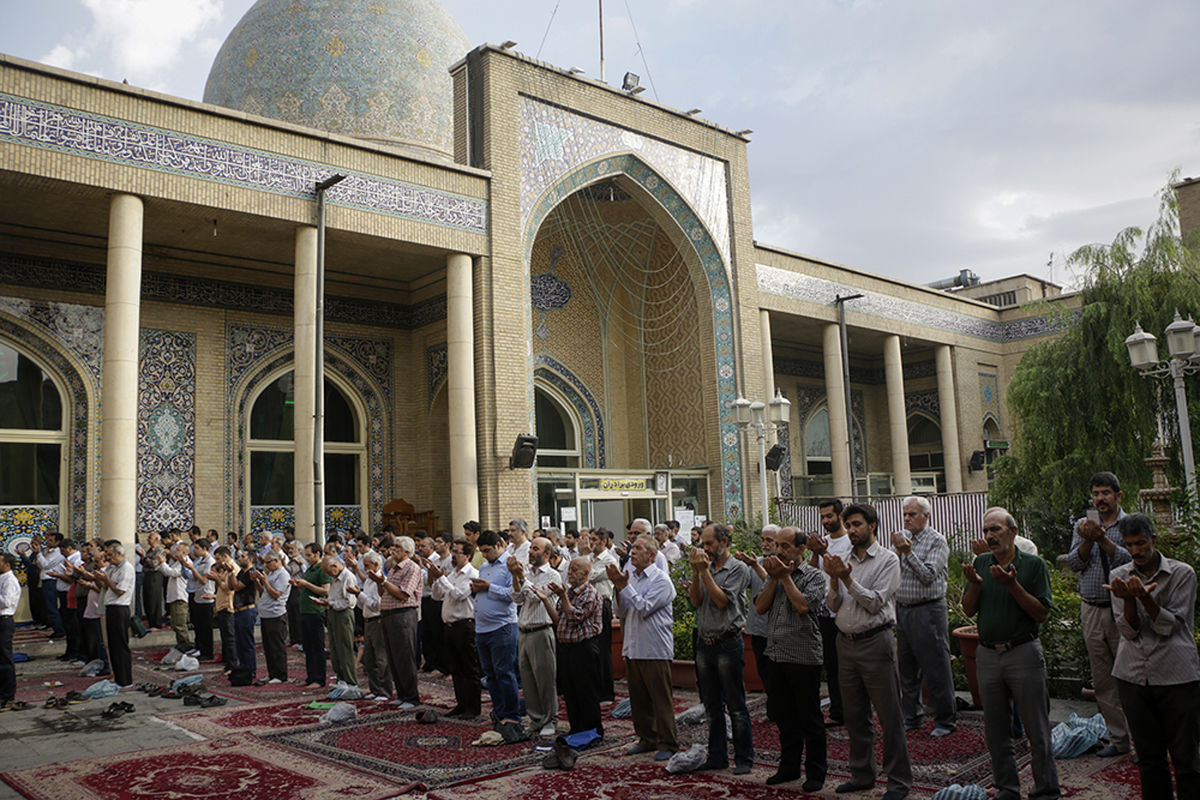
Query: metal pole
601, 2
841, 304
318, 453
1185, 427
762, 472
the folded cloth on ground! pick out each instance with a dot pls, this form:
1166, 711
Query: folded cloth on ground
623, 710
188, 680
958, 792
105, 688
1077, 735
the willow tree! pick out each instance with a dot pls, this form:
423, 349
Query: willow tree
1078, 405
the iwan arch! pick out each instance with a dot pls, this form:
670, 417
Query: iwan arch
513, 249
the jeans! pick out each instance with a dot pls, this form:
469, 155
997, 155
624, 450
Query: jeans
243, 637
719, 670
54, 619
498, 660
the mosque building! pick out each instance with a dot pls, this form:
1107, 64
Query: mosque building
487, 246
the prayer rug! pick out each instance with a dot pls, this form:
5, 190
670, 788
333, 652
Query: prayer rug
263, 718
217, 769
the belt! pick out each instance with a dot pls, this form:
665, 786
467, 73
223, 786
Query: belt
920, 602
243, 608
1097, 604
867, 634
535, 628
469, 621
1001, 647
711, 640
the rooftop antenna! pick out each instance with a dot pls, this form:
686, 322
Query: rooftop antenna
601, 2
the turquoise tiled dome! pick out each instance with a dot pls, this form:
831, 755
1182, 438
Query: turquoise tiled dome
370, 68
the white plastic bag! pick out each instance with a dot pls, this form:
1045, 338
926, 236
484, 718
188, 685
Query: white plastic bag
342, 712
92, 668
172, 657
688, 760
187, 663
345, 691
693, 716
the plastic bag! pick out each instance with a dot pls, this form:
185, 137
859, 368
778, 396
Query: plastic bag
1077, 735
958, 792
172, 657
342, 712
693, 716
190, 680
92, 668
345, 691
105, 688
688, 760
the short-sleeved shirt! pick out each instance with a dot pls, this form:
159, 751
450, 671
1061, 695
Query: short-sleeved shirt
732, 578
317, 577
1001, 618
271, 607
792, 637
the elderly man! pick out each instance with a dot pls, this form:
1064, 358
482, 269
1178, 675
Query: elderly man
756, 623
1157, 670
644, 597
718, 591
275, 587
496, 636
641, 527
204, 595
341, 598
399, 599
118, 579
176, 574
789, 599
536, 617
518, 538
453, 588
374, 652
600, 556
666, 545
579, 626
1096, 550
1010, 591
862, 595
922, 620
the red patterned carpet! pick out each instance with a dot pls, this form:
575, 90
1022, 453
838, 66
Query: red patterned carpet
217, 769
262, 718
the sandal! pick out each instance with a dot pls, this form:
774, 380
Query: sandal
170, 694
51, 702
76, 697
61, 703
126, 707
113, 711
157, 691
192, 700
212, 701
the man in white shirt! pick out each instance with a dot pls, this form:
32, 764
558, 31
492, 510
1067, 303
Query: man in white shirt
276, 587
10, 596
537, 618
341, 600
204, 594
453, 588
518, 535
172, 569
666, 545
374, 652
118, 580
49, 559
68, 609
600, 556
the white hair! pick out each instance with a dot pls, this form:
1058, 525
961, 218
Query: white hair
645, 523
922, 502
407, 544
772, 528
372, 558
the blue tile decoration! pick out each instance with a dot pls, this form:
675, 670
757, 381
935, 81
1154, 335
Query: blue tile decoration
71, 131
869, 376
36, 271
437, 368
19, 524
548, 292
276, 518
373, 68
925, 402
797, 286
69, 340
166, 430
785, 469
554, 142
714, 269
989, 398
254, 354
558, 375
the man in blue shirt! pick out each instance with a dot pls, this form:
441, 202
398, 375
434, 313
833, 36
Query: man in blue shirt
496, 635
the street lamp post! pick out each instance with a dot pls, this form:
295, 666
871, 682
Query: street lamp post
1184, 348
756, 416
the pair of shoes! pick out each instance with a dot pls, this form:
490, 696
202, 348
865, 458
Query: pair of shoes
742, 769
638, 749
513, 732
75, 697
939, 732
851, 786
663, 755
813, 784
782, 776
116, 710
1108, 751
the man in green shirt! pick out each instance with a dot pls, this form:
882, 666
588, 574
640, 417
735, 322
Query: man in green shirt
312, 616
1010, 591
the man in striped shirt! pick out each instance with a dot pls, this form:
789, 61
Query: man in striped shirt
579, 625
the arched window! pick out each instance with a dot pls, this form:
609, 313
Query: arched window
557, 429
33, 432
271, 446
924, 444
817, 449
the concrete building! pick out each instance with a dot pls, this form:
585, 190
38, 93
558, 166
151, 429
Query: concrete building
513, 249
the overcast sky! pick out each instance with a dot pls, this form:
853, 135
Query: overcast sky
912, 139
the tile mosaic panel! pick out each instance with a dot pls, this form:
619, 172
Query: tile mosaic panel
253, 353
437, 368
989, 397
785, 283
36, 271
80, 331
715, 272
924, 401
166, 430
276, 518
554, 142
71, 131
586, 408
19, 524
869, 376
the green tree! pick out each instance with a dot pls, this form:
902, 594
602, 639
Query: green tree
1079, 407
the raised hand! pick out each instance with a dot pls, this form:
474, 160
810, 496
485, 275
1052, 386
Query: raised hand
971, 575
1005, 576
776, 567
698, 558
817, 543
901, 543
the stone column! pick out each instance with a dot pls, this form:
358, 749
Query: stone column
303, 385
119, 395
951, 454
893, 369
837, 402
460, 390
768, 368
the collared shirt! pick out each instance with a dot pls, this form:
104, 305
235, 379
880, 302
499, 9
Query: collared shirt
495, 608
124, 576
598, 576
48, 562
176, 580
271, 607
756, 623
203, 566
317, 577
408, 577
520, 553
454, 590
368, 601
582, 619
792, 637
532, 612
1162, 652
732, 578
923, 569
870, 600
1001, 618
10, 593
840, 547
1091, 570
670, 551
340, 596
647, 617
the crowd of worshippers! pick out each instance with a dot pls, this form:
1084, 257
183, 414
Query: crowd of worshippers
529, 616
